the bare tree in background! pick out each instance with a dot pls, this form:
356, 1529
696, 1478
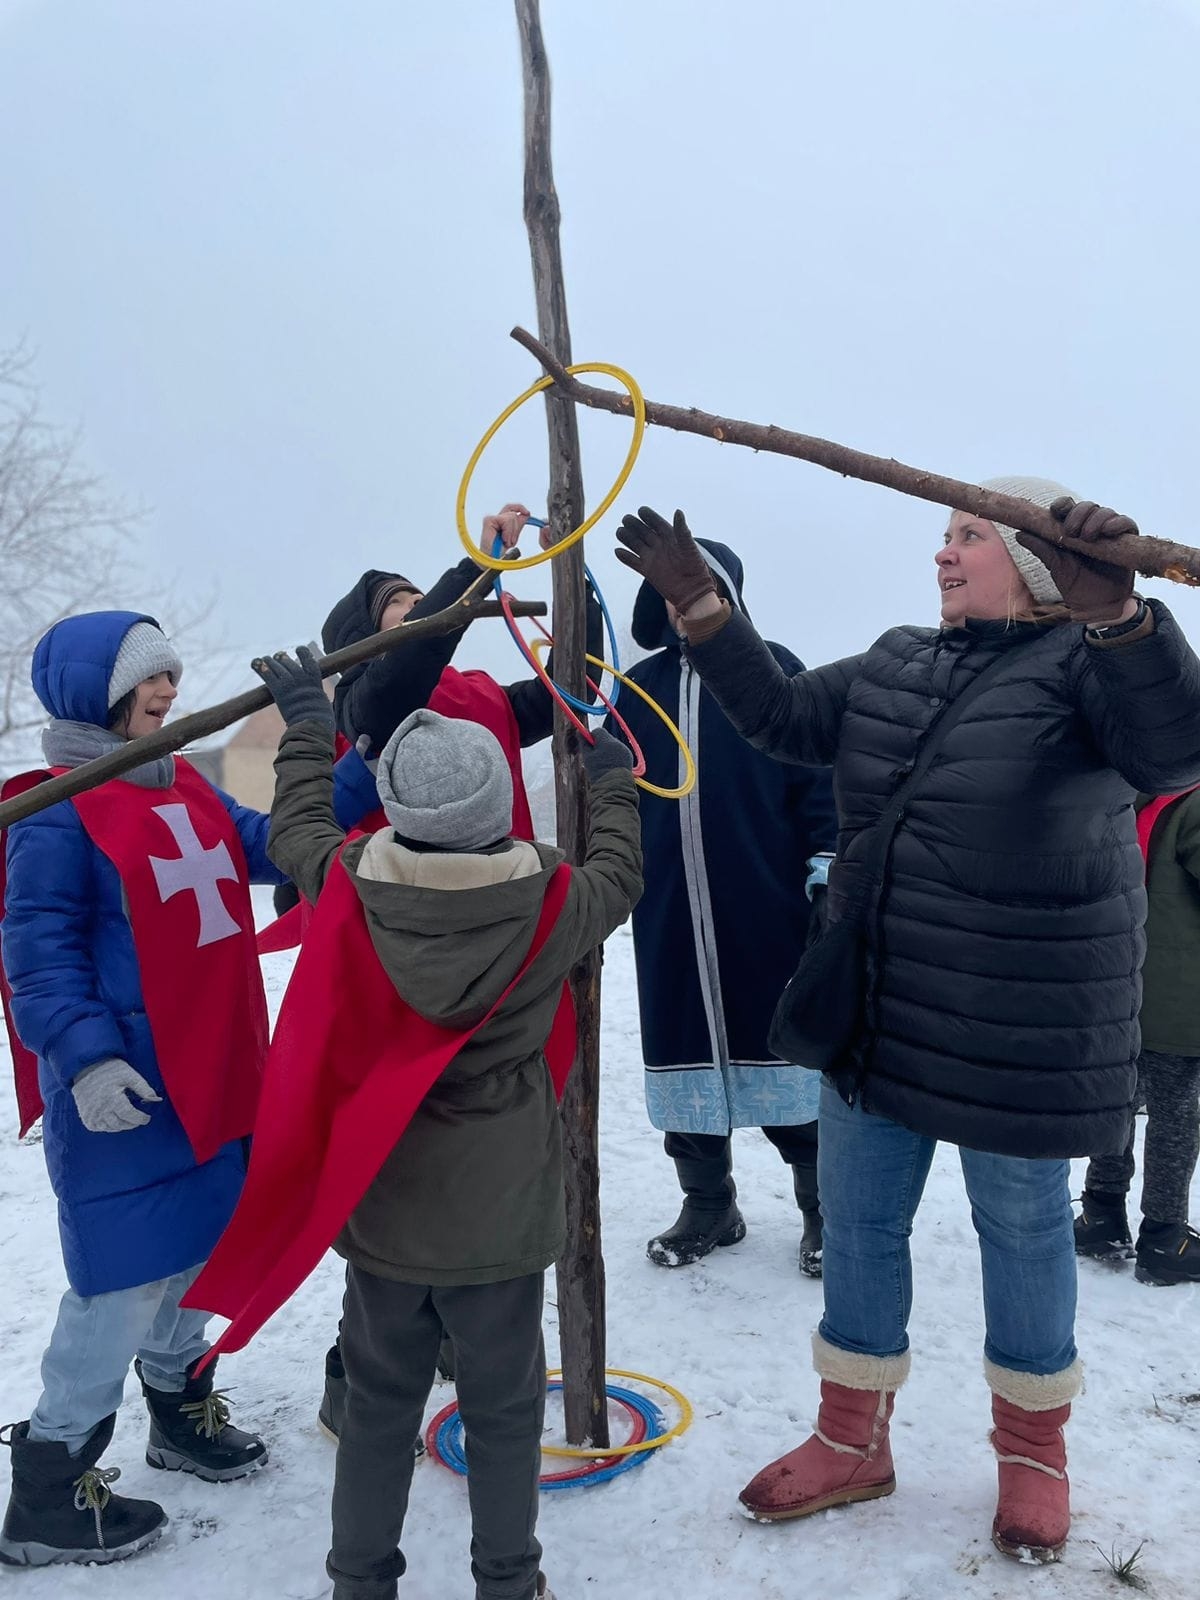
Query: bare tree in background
63, 540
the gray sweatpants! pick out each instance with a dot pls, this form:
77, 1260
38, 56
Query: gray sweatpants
1169, 1088
390, 1337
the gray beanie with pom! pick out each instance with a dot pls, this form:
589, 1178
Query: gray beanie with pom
446, 783
1043, 492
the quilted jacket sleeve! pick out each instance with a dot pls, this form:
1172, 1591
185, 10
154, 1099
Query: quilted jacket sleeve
56, 997
1142, 702
791, 718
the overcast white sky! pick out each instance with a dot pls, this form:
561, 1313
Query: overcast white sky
269, 251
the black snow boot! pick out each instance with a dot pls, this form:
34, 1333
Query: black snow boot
710, 1217
1167, 1253
190, 1431
1102, 1228
332, 1410
696, 1233
62, 1508
804, 1182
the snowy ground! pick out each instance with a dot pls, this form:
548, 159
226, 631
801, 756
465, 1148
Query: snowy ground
732, 1332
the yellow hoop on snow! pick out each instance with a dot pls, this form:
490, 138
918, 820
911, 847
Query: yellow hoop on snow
539, 646
686, 1416
484, 557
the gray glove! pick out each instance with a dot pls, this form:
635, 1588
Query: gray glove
101, 1093
608, 754
296, 686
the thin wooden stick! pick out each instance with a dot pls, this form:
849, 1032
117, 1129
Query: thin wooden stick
200, 724
1154, 558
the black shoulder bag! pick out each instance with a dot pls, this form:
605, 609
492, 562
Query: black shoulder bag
821, 1009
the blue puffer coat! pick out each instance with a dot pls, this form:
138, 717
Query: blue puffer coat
133, 1207
724, 918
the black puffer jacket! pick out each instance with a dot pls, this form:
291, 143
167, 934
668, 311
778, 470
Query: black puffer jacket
375, 697
1006, 953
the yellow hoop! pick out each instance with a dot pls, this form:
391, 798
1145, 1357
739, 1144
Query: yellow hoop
681, 1400
689, 761
484, 558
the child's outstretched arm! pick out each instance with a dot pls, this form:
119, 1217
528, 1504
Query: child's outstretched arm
609, 883
305, 836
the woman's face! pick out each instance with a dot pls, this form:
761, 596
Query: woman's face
152, 699
397, 609
976, 574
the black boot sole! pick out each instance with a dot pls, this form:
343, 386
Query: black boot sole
732, 1235
1157, 1279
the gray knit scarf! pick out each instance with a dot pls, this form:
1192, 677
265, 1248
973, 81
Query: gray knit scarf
70, 744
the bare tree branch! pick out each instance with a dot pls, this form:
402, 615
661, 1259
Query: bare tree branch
1154, 558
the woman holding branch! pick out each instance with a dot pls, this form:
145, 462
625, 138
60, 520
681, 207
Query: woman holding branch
1000, 910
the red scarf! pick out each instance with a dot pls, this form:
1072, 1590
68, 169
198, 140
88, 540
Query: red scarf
469, 697
187, 889
350, 1063
1149, 815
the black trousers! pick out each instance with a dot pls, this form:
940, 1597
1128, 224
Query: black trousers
1169, 1088
390, 1337
704, 1162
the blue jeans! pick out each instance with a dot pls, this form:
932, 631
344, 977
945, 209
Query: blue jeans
872, 1173
95, 1339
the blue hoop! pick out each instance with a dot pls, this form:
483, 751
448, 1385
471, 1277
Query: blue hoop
448, 1442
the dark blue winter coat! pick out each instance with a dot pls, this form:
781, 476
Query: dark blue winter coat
133, 1207
724, 916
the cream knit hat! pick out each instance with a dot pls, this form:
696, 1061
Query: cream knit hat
1043, 492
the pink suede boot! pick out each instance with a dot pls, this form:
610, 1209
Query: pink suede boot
1033, 1516
849, 1456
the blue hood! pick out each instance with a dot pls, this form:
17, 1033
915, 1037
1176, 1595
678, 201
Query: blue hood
74, 662
650, 626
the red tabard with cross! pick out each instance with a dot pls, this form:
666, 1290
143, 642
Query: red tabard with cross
349, 1065
470, 697
187, 889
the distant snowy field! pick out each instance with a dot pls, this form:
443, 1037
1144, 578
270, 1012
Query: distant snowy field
733, 1334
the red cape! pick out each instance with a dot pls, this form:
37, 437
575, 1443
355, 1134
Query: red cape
349, 1064
187, 886
471, 697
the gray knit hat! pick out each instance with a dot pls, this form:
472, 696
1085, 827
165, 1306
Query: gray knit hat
145, 651
446, 783
1043, 492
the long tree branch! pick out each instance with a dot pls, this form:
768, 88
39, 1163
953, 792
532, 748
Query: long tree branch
1154, 558
200, 724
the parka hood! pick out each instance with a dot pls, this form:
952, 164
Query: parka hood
74, 662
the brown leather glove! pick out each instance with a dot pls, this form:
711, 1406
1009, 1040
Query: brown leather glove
1095, 590
666, 556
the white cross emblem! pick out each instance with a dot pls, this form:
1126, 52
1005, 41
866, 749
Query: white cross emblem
198, 870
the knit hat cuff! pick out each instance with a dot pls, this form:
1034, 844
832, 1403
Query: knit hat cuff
384, 592
145, 651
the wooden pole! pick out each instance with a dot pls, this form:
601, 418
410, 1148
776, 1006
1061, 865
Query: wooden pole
1154, 558
200, 724
580, 1273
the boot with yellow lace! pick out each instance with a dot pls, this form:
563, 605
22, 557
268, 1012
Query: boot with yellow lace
62, 1507
190, 1431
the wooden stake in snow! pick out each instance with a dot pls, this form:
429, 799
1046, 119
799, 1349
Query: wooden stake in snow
580, 1273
